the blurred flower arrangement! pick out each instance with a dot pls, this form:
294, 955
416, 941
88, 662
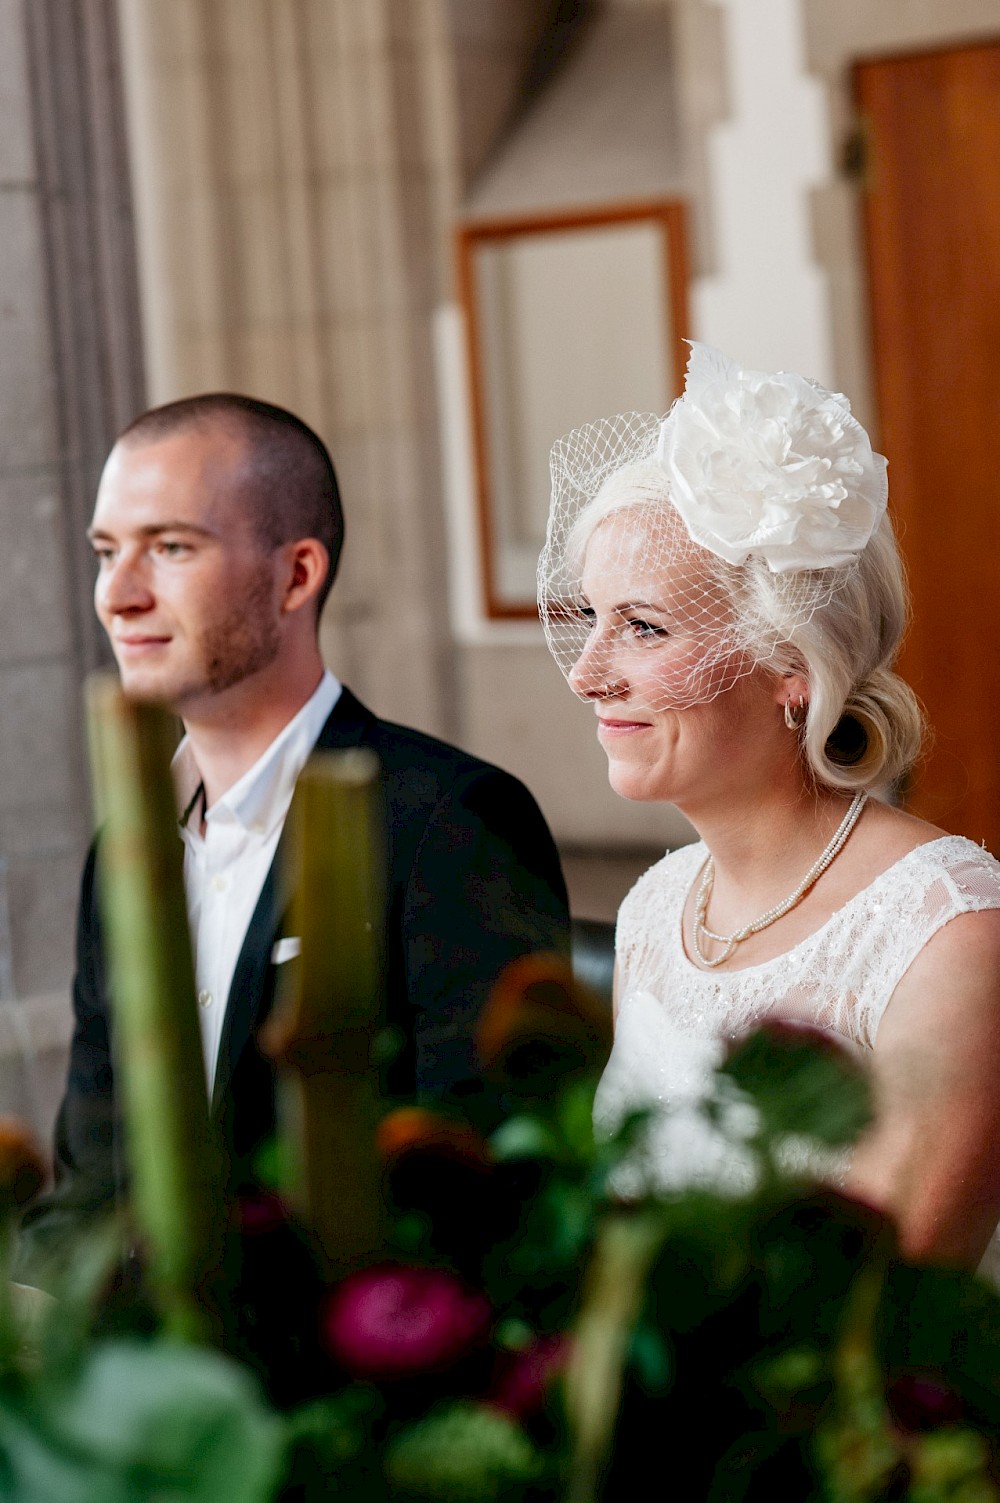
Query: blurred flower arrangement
523, 1336
496, 1325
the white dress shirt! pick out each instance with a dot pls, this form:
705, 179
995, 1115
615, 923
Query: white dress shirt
225, 869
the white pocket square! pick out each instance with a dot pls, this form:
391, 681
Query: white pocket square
285, 949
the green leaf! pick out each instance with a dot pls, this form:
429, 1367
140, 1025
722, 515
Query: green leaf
387, 1045
464, 1453
802, 1084
525, 1137
336, 1429
514, 1334
330, 1447
144, 1420
410, 1233
952, 1464
651, 1358
274, 1165
575, 1116
791, 1372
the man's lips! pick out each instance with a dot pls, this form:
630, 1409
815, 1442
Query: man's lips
139, 644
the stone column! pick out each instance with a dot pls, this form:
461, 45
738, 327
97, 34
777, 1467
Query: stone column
70, 375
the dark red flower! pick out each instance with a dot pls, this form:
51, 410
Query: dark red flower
524, 1380
791, 1033
921, 1401
260, 1212
394, 1321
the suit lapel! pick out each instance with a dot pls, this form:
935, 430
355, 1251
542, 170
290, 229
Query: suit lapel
347, 725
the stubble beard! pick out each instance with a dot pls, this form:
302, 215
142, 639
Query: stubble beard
240, 642
245, 641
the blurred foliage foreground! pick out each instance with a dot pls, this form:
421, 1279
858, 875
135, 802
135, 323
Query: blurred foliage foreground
485, 1319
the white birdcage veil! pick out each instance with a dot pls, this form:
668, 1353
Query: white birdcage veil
736, 517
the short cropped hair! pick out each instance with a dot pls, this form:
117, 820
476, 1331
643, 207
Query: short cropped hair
289, 480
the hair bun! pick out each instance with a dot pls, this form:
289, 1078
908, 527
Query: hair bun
878, 735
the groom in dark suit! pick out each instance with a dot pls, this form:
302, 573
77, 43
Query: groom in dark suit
217, 530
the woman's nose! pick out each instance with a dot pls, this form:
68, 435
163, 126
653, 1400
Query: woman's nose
591, 675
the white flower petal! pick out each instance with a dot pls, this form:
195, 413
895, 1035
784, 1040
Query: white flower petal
772, 465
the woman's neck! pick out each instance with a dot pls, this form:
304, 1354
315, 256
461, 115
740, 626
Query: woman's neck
763, 847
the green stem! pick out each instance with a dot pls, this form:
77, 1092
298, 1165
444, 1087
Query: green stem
616, 1286
9, 1337
324, 1025
158, 1055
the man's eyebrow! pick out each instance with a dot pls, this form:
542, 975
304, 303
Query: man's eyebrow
155, 530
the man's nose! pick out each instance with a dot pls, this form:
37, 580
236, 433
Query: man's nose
122, 587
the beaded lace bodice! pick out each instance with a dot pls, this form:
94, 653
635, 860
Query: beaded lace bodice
674, 1018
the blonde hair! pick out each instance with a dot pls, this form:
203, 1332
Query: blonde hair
864, 725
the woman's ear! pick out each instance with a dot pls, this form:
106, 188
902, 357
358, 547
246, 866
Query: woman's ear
308, 565
791, 686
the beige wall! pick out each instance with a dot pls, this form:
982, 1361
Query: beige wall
286, 163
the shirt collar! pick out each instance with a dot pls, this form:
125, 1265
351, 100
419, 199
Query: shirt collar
259, 800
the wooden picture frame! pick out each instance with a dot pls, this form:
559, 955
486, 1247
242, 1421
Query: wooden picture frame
660, 313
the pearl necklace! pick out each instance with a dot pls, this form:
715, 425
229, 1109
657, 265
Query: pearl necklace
700, 931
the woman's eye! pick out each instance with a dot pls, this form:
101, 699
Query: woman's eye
587, 616
645, 630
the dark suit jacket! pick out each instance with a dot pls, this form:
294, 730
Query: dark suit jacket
473, 882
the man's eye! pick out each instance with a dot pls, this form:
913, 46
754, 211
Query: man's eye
171, 549
103, 555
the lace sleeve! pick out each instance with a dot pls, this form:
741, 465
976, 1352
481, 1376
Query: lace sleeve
945, 878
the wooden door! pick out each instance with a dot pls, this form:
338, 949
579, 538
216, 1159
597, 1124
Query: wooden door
932, 221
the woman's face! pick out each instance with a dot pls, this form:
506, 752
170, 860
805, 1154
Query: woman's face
679, 715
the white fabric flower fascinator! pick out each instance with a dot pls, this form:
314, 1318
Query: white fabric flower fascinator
770, 465
712, 534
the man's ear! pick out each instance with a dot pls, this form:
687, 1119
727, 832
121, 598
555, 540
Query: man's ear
308, 566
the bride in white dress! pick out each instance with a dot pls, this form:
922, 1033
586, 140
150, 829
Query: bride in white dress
724, 586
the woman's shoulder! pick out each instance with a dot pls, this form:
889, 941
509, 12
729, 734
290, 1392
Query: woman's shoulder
965, 872
928, 856
907, 853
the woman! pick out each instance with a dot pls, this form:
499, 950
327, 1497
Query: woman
724, 587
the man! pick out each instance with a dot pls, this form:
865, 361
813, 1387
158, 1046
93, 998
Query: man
218, 530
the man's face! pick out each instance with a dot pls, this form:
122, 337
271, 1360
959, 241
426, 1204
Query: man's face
185, 590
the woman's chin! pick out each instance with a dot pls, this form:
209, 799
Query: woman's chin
634, 783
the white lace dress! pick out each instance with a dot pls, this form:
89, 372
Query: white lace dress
674, 1019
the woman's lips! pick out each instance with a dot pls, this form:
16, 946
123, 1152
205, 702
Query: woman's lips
621, 727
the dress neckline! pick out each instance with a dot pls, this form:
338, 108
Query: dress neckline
810, 939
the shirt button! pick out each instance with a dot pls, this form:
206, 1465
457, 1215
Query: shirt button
204, 999
219, 883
